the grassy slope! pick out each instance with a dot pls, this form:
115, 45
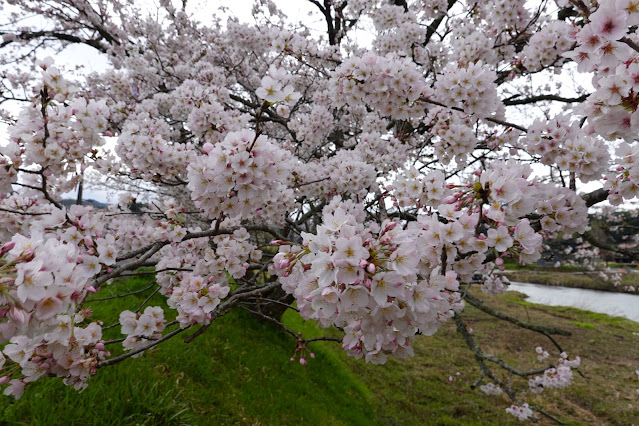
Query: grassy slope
239, 372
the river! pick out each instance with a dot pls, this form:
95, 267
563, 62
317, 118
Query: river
604, 302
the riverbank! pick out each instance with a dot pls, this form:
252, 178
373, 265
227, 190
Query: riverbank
419, 390
605, 302
588, 280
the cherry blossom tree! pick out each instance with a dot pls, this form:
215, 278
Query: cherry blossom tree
365, 179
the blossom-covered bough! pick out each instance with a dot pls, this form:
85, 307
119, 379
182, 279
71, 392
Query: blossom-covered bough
368, 185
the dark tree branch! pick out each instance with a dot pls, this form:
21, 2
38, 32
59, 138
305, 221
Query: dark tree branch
432, 28
533, 99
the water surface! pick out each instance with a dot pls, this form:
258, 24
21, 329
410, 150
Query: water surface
604, 302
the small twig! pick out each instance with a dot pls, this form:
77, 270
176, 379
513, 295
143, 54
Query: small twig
493, 120
22, 213
147, 299
266, 299
508, 367
119, 296
122, 357
133, 274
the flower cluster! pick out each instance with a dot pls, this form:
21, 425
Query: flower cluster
348, 175
65, 351
8, 174
196, 298
562, 210
386, 155
144, 145
546, 47
44, 281
397, 29
471, 44
12, 223
612, 109
555, 377
200, 104
140, 328
389, 84
245, 176
522, 412
411, 189
506, 14
311, 128
274, 88
455, 137
560, 142
366, 282
197, 275
624, 184
541, 353
490, 389
471, 88
54, 134
494, 284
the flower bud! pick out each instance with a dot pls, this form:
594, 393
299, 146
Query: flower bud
17, 315
28, 255
283, 264
88, 241
6, 247
390, 226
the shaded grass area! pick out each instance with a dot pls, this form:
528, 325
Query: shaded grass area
573, 279
239, 372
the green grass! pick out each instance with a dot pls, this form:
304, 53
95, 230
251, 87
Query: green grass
583, 325
239, 372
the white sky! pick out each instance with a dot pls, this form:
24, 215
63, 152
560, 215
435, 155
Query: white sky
296, 11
